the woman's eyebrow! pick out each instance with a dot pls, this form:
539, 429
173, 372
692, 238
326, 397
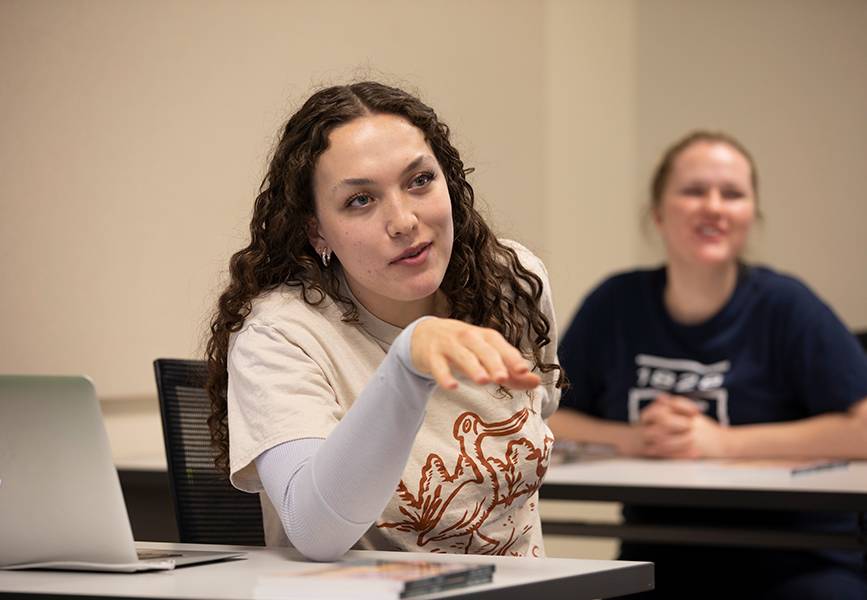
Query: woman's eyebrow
415, 163
356, 181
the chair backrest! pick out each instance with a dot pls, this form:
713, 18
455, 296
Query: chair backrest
207, 508
862, 337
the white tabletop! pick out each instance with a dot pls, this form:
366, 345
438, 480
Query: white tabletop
711, 484
711, 474
269, 573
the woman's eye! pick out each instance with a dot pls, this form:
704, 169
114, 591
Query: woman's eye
421, 180
359, 200
693, 191
732, 194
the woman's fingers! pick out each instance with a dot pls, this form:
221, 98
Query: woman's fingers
523, 381
664, 429
684, 405
446, 347
517, 370
442, 374
657, 411
649, 414
681, 404
667, 422
468, 362
666, 408
484, 363
683, 437
511, 357
669, 446
488, 355
503, 362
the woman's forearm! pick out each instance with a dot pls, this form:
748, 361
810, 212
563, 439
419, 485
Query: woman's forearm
832, 435
328, 492
568, 424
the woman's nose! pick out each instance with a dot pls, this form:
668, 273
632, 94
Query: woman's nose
401, 218
713, 200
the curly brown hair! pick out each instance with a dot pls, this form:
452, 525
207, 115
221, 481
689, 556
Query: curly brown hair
506, 295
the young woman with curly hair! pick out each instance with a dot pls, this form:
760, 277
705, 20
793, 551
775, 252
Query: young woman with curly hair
381, 366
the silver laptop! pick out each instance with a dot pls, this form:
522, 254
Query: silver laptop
61, 505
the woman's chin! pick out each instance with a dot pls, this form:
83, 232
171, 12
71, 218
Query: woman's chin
418, 294
419, 288
716, 260
711, 258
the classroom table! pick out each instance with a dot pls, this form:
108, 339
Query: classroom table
767, 485
268, 573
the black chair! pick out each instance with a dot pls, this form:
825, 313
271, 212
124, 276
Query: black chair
862, 337
207, 508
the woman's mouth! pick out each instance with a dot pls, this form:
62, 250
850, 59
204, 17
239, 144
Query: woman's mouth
414, 255
709, 231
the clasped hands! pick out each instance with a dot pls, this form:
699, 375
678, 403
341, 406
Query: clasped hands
444, 348
675, 427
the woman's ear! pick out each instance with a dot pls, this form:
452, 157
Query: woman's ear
656, 215
313, 236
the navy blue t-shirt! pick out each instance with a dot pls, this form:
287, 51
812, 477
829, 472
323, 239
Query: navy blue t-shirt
775, 352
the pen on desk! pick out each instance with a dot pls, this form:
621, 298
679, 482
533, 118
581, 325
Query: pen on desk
821, 466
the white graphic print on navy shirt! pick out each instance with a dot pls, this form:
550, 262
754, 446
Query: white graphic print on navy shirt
703, 384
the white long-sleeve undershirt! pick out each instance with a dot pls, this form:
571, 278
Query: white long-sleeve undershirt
328, 492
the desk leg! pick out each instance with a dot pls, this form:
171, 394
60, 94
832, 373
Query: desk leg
862, 534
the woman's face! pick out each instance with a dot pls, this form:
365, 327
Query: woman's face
707, 207
383, 208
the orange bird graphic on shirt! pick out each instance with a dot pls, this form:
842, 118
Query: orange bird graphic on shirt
474, 487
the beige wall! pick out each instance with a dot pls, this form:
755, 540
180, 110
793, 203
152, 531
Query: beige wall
790, 79
589, 183
135, 135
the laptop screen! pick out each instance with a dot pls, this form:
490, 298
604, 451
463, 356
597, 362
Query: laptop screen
59, 490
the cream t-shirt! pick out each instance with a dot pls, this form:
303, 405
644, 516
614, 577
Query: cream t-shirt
470, 484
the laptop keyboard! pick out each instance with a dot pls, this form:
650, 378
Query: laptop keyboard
156, 554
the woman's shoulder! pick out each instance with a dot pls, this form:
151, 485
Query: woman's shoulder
526, 256
624, 283
785, 299
780, 289
285, 307
620, 293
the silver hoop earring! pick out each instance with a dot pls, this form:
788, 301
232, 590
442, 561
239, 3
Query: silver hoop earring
326, 257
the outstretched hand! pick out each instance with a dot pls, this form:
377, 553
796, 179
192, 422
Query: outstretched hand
444, 348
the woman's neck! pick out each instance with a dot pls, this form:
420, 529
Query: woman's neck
402, 313
693, 295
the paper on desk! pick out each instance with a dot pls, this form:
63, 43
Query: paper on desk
790, 466
292, 587
375, 578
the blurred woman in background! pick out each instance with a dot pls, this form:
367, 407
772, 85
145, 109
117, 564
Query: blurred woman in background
708, 356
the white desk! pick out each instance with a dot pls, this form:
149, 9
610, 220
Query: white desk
266, 574
711, 484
